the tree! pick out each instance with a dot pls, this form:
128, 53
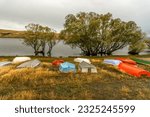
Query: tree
50, 36
136, 48
31, 37
147, 42
98, 34
38, 36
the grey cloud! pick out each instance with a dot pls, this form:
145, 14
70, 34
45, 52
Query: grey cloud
52, 12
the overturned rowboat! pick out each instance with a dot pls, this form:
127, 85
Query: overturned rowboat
21, 59
79, 60
112, 62
5, 63
127, 60
85, 67
30, 64
67, 67
141, 61
132, 70
57, 62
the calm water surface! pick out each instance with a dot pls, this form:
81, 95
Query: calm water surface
13, 47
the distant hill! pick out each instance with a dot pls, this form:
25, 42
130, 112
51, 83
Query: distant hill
14, 34
11, 33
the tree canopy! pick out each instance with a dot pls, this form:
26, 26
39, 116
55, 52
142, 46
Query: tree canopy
38, 36
137, 47
148, 42
99, 34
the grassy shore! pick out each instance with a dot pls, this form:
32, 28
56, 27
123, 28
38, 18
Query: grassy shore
15, 34
46, 82
11, 33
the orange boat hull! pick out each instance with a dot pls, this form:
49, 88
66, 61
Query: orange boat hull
132, 70
126, 60
57, 62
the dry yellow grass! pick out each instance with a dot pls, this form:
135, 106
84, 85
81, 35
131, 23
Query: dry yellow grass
96, 60
46, 82
125, 91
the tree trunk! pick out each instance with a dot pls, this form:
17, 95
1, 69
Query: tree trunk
43, 51
36, 53
49, 51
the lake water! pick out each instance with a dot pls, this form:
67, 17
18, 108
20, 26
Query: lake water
15, 47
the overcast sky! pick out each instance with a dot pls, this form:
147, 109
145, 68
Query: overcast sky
15, 14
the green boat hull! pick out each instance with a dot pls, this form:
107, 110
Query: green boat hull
140, 61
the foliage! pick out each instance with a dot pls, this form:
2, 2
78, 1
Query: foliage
37, 36
50, 39
98, 34
147, 43
31, 37
136, 48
